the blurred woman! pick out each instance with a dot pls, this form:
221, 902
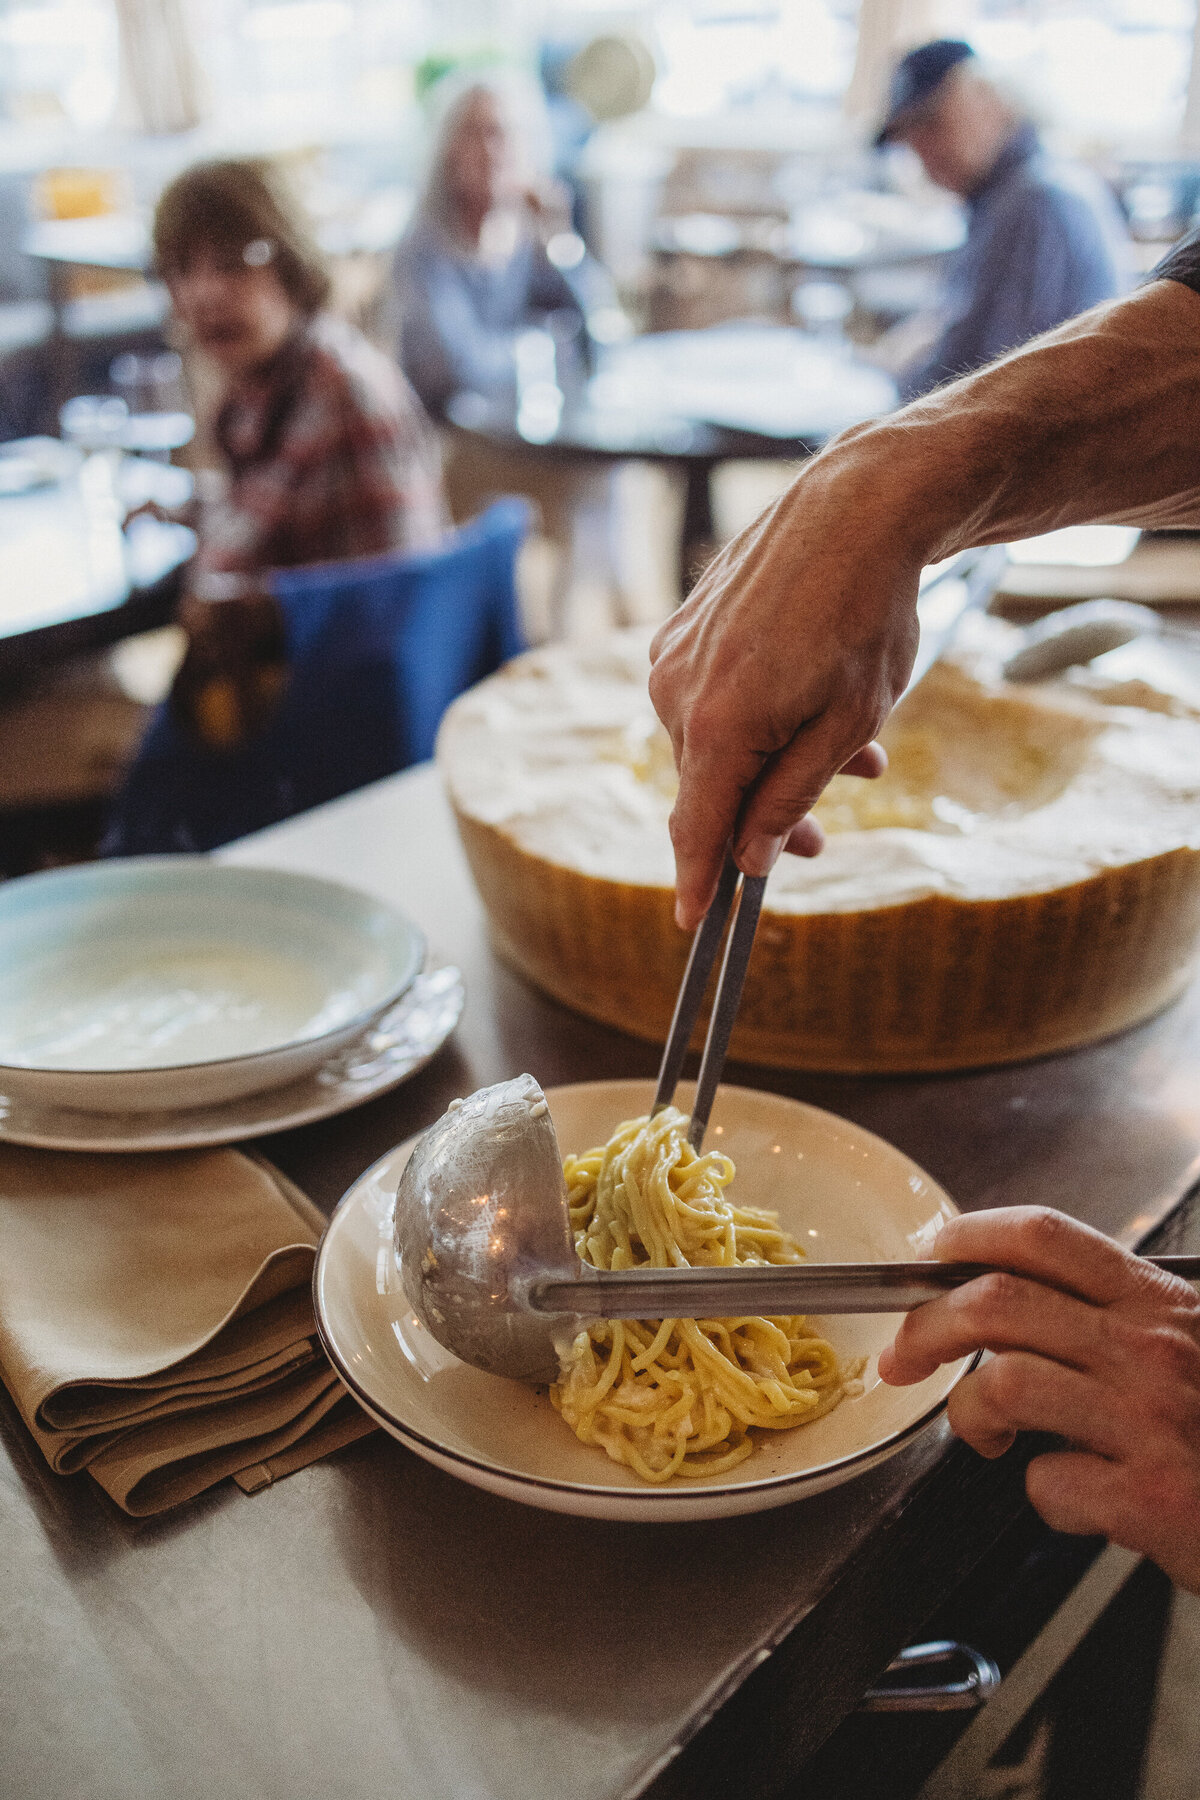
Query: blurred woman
327, 453
491, 252
493, 288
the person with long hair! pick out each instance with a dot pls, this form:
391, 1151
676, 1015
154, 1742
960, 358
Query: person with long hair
490, 252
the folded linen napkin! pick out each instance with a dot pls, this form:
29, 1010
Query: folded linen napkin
156, 1322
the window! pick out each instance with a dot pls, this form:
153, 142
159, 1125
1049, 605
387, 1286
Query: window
723, 53
1109, 72
58, 62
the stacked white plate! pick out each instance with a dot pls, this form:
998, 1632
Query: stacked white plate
166, 984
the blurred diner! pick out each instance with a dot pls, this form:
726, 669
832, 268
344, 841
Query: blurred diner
1045, 239
326, 451
491, 252
493, 292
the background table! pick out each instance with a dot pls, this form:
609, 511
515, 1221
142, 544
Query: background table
109, 243
693, 400
372, 1627
71, 579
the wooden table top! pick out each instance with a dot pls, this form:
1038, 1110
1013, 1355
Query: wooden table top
373, 1626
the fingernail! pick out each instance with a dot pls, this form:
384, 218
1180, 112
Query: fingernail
681, 915
758, 855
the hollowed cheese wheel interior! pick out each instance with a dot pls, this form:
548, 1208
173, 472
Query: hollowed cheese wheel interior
1026, 875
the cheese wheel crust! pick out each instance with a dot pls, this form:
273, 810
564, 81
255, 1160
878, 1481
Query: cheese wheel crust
931, 985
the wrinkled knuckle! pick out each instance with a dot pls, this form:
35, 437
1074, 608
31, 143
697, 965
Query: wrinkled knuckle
1173, 1355
784, 806
1160, 1286
1003, 1383
662, 640
991, 1295
661, 684
1041, 1229
704, 729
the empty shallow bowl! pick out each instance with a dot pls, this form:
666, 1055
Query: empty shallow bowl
846, 1194
168, 982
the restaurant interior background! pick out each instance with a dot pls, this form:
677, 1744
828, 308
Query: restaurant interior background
718, 162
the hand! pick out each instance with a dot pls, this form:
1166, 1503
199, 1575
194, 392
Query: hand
549, 202
1090, 1343
150, 509
782, 665
234, 670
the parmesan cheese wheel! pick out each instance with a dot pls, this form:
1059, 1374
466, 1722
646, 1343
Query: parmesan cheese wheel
1024, 879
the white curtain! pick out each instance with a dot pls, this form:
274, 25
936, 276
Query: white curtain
886, 29
1189, 133
160, 79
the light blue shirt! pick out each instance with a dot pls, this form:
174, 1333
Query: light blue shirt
460, 317
1044, 242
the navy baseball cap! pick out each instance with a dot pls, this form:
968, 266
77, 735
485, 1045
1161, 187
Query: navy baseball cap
915, 78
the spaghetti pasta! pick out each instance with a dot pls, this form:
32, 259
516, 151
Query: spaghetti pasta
681, 1397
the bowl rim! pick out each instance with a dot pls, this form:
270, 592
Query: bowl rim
665, 1496
189, 864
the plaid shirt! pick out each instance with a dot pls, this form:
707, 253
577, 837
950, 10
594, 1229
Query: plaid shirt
329, 455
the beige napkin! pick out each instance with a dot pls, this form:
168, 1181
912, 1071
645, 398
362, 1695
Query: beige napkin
156, 1322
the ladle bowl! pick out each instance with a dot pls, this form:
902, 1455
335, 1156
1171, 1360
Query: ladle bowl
482, 1208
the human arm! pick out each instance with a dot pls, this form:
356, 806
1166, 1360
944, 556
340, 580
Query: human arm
799, 638
1091, 1344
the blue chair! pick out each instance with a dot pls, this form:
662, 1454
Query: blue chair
376, 651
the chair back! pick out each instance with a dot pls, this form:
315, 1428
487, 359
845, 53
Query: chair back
376, 651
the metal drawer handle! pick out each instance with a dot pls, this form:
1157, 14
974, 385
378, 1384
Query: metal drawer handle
980, 1683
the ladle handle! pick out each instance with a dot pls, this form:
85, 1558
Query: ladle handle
774, 1289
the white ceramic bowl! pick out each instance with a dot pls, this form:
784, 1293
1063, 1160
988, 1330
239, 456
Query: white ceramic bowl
845, 1193
172, 982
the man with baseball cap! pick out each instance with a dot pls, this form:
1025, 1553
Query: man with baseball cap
1045, 239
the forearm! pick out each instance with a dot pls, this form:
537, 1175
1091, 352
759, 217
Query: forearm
1097, 420
800, 636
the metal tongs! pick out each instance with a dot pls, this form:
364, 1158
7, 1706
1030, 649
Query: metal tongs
949, 591
743, 896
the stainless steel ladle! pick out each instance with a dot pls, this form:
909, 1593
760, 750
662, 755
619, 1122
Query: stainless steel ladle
488, 1262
